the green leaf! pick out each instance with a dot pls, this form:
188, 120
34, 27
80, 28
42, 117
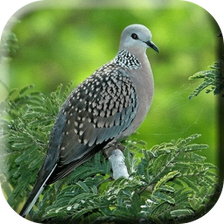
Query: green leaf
28, 153
36, 161
25, 89
195, 147
213, 80
164, 197
181, 213
196, 203
167, 188
166, 178
83, 186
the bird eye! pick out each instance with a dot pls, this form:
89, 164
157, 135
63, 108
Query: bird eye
134, 36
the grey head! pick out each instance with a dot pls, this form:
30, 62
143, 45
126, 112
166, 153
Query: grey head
137, 37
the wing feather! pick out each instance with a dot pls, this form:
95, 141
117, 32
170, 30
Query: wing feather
97, 111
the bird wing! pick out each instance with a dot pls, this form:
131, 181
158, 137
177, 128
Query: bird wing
96, 112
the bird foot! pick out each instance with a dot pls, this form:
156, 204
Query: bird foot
110, 147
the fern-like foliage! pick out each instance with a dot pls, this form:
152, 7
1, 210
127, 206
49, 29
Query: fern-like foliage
9, 43
26, 121
170, 183
213, 80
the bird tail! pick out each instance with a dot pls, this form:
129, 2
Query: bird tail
34, 195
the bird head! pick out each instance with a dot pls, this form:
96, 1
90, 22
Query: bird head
138, 38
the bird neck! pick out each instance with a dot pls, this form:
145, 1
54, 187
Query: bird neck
127, 60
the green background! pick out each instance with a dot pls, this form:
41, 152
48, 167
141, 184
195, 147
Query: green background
64, 44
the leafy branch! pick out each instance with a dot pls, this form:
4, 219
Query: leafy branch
169, 183
213, 80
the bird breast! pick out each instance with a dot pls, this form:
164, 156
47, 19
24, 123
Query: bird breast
144, 85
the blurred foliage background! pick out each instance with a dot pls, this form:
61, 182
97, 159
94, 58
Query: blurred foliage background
63, 44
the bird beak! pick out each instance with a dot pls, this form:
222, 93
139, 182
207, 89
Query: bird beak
152, 45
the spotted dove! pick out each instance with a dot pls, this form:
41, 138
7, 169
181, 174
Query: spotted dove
108, 106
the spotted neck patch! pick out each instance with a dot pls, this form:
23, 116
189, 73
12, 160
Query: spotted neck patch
127, 60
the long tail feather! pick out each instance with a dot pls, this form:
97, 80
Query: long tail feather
34, 195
